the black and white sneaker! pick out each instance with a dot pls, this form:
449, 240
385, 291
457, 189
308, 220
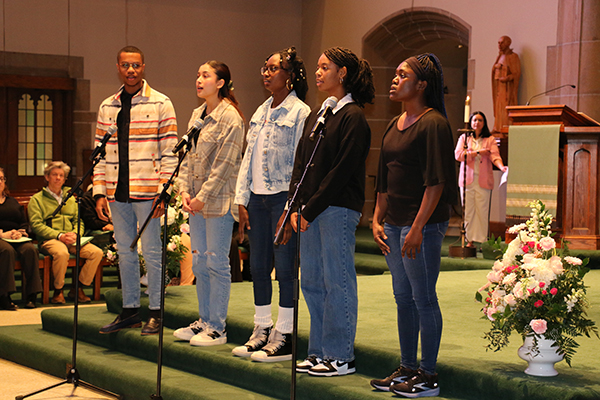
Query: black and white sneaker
189, 332
258, 340
419, 385
400, 375
307, 364
333, 368
279, 348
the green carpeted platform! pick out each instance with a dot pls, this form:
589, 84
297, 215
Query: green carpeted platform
466, 370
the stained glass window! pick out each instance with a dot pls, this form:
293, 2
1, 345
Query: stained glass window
35, 135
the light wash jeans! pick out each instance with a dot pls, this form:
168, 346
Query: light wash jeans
413, 282
211, 241
125, 220
264, 212
329, 283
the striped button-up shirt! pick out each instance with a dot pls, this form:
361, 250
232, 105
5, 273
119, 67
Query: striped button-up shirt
152, 136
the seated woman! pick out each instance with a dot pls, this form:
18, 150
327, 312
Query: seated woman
13, 225
58, 235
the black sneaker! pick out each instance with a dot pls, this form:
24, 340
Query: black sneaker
333, 368
279, 348
258, 340
119, 323
419, 385
400, 375
307, 364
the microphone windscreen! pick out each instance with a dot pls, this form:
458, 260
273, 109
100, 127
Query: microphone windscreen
331, 102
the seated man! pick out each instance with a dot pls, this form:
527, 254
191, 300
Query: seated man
57, 235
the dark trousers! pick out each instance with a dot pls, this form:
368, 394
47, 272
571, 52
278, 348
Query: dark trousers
27, 254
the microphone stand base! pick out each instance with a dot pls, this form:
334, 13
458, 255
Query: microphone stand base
462, 252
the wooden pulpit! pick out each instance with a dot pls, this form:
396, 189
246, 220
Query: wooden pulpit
578, 196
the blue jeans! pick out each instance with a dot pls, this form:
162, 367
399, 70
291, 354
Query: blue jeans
264, 212
125, 220
413, 282
329, 283
211, 241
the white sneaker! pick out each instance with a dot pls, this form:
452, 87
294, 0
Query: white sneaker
258, 339
189, 332
278, 349
209, 337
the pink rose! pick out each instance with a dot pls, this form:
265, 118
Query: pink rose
544, 292
553, 291
547, 243
171, 246
539, 326
495, 276
510, 300
185, 228
490, 312
538, 304
542, 284
573, 260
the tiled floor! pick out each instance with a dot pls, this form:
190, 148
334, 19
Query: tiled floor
16, 380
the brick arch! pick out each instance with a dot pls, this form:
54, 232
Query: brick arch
402, 34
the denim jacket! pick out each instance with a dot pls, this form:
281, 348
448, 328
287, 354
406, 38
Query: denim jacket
283, 131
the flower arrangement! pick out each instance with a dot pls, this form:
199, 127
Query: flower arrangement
537, 289
177, 223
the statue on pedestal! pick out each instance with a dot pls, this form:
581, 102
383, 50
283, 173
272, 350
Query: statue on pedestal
505, 81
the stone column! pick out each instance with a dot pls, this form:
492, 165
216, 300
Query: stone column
576, 57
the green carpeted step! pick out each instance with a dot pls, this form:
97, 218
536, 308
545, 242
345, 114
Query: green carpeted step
217, 363
466, 370
119, 373
371, 264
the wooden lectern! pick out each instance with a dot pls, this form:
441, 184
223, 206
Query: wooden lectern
578, 198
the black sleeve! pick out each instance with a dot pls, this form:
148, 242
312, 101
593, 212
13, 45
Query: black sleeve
355, 141
89, 216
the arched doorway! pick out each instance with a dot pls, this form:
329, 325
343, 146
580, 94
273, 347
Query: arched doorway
400, 35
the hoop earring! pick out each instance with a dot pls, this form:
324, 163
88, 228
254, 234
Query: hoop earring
289, 85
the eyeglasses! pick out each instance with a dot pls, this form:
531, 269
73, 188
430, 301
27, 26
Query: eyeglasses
126, 65
271, 68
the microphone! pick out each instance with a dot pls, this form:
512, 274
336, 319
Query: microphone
190, 135
100, 146
329, 104
548, 91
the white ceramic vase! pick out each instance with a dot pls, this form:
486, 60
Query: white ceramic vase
542, 363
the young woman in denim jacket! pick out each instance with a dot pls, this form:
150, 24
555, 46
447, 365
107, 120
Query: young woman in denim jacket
207, 186
261, 193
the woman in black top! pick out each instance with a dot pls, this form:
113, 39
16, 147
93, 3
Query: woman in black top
332, 197
13, 226
416, 188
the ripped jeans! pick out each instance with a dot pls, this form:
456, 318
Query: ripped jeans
211, 241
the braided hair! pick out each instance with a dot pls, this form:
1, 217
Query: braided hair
291, 62
429, 68
359, 79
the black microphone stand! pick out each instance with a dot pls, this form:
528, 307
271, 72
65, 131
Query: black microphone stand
463, 251
278, 238
164, 198
73, 375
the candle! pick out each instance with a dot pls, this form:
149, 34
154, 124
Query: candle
467, 109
